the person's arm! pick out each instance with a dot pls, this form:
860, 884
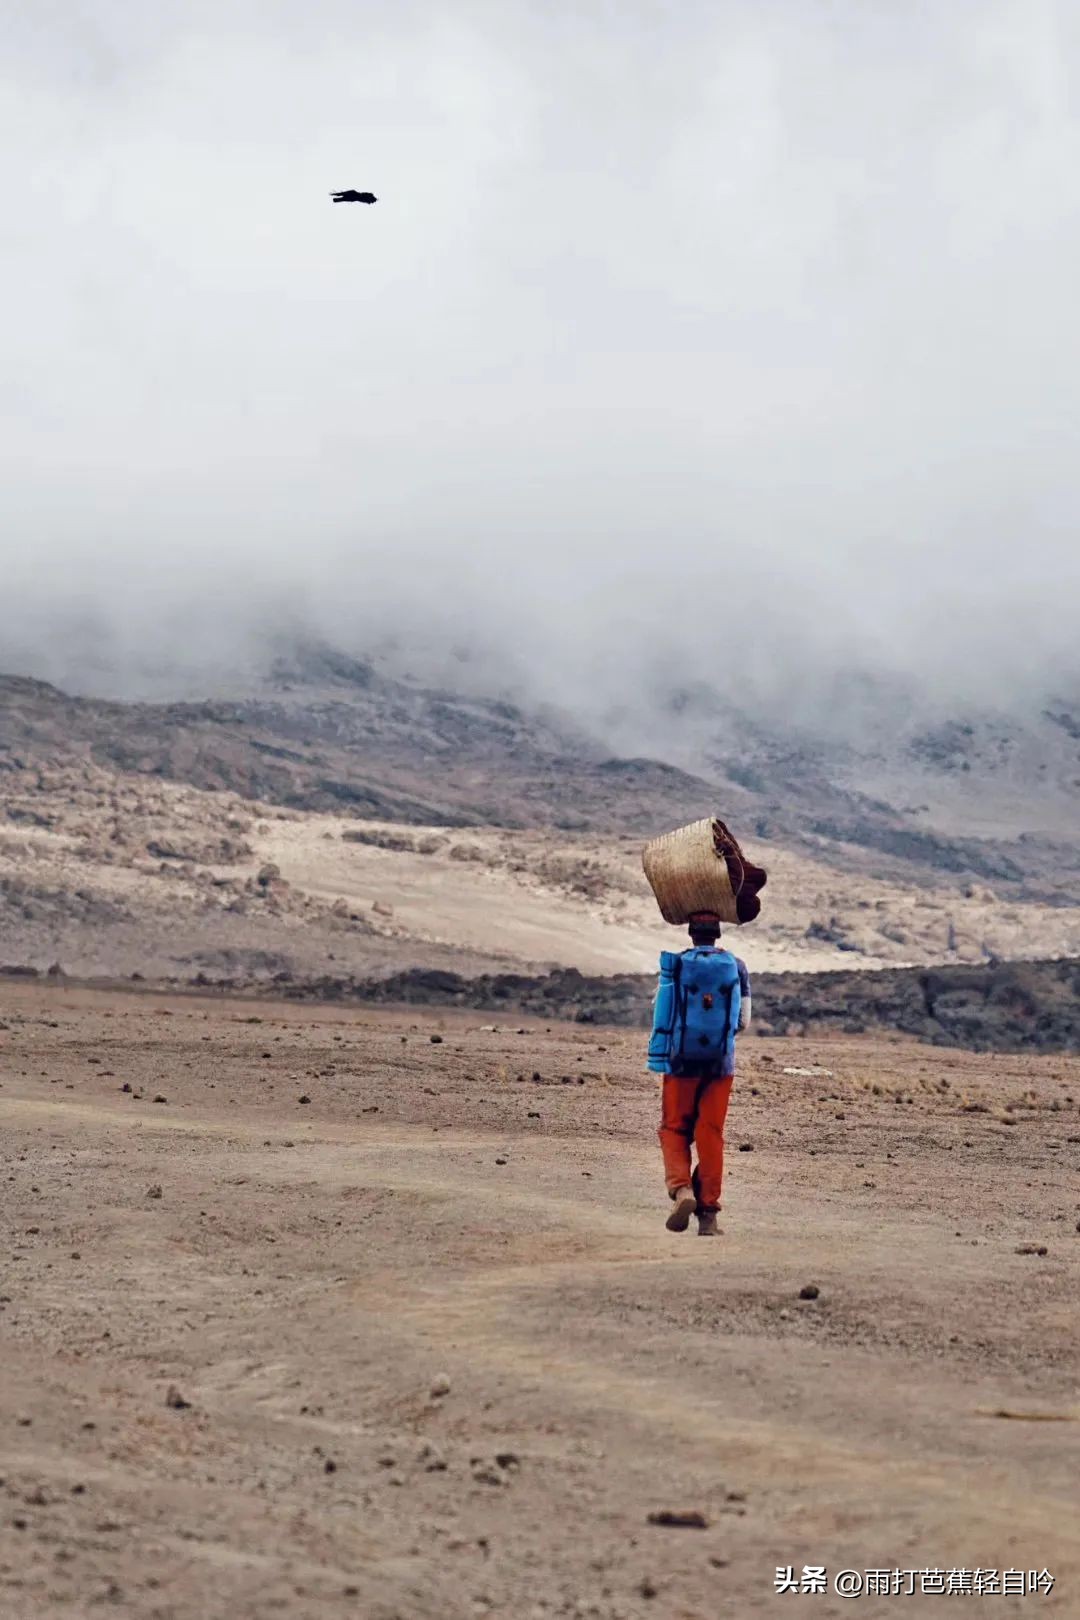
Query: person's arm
663, 1014
744, 998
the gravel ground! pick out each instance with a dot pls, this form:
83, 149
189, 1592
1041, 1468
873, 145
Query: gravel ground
319, 1313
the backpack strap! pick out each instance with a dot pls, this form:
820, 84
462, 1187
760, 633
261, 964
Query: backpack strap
729, 1030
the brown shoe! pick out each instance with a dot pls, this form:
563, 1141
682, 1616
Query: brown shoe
706, 1223
684, 1203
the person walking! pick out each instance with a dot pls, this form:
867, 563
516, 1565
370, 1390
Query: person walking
702, 1003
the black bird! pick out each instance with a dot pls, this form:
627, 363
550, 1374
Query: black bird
354, 196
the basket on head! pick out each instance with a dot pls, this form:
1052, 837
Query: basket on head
702, 868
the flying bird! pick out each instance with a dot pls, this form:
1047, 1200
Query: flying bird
354, 196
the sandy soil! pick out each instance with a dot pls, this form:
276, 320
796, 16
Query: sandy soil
441, 1358
115, 874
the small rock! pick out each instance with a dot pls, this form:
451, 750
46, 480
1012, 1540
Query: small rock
432, 1459
746, 1147
508, 1460
500, 1161
329, 1466
1032, 1248
176, 1401
679, 1519
154, 1191
436, 1040
160, 1099
125, 1086
809, 1291
440, 1386
647, 1587
304, 1099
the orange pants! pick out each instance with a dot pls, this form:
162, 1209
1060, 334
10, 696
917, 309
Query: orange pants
694, 1110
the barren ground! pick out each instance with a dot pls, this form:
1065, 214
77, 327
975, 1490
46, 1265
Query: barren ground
487, 1210
109, 873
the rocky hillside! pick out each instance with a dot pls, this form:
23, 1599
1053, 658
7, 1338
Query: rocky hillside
988, 800
348, 739
327, 813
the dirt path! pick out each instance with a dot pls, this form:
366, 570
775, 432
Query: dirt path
482, 1212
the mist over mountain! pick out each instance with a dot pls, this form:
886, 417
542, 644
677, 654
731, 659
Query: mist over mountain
733, 350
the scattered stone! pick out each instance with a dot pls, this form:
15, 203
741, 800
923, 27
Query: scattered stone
1032, 1248
329, 1466
486, 1473
746, 1147
175, 1401
160, 1098
125, 1086
154, 1191
809, 1291
304, 1098
440, 1386
436, 1040
679, 1519
432, 1459
647, 1587
500, 1161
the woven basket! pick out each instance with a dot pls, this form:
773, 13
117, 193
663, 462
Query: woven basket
702, 868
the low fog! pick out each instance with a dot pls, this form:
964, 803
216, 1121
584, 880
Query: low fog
727, 342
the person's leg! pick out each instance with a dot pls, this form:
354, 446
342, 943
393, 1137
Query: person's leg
678, 1099
712, 1107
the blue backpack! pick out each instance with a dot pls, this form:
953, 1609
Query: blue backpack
696, 1012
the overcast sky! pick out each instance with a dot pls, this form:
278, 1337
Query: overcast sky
734, 338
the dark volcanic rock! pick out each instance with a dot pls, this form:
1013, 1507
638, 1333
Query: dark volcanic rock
1005, 1006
